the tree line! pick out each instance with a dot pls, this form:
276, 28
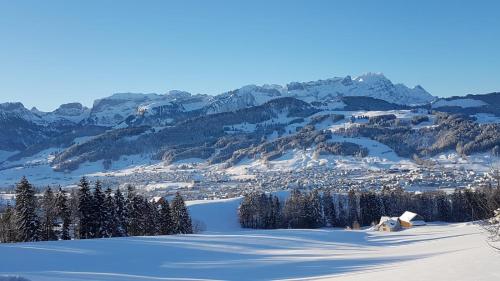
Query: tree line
316, 209
87, 213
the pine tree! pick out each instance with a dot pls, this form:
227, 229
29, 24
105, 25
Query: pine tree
276, 210
25, 212
49, 216
314, 210
121, 214
244, 212
353, 207
8, 229
64, 214
109, 225
165, 218
295, 210
180, 217
329, 209
342, 218
73, 203
134, 204
148, 218
370, 208
98, 213
85, 210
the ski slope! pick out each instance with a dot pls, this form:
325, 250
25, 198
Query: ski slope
226, 252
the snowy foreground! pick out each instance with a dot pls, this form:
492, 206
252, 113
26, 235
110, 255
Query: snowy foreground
225, 252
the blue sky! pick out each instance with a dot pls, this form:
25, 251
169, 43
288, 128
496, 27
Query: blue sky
52, 52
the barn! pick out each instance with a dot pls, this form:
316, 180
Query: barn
410, 219
388, 224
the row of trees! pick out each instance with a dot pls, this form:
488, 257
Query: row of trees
314, 209
89, 213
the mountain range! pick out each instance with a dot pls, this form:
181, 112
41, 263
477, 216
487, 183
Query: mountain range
244, 123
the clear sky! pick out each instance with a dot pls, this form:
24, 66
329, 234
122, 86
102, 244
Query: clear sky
52, 52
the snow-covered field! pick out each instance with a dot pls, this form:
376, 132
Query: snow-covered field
226, 252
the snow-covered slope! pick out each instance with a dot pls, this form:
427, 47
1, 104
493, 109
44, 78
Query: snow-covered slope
371, 85
113, 110
70, 112
432, 252
16, 110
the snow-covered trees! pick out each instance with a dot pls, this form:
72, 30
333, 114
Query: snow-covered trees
48, 216
312, 209
258, 210
98, 214
64, 214
27, 221
85, 210
109, 219
181, 221
7, 226
120, 214
329, 209
165, 225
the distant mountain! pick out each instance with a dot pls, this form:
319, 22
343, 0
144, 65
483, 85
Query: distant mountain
126, 109
249, 123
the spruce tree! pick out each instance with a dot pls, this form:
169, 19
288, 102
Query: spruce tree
49, 216
8, 228
294, 211
109, 225
25, 211
134, 205
314, 210
180, 217
342, 218
64, 214
329, 209
121, 214
165, 218
353, 207
370, 208
277, 213
98, 213
85, 210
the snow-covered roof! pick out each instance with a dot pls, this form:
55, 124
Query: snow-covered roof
391, 222
410, 217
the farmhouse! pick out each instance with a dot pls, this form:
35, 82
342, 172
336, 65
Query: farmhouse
388, 224
410, 219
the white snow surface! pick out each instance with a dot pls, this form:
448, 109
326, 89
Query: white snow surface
226, 252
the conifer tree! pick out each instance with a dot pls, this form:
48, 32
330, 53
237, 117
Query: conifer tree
342, 218
121, 214
134, 205
64, 214
276, 210
165, 218
370, 208
294, 211
353, 207
98, 212
181, 220
49, 216
314, 210
148, 218
109, 227
7, 226
85, 210
27, 220
329, 209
